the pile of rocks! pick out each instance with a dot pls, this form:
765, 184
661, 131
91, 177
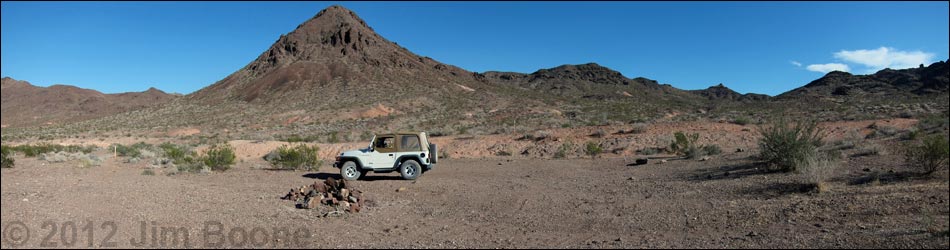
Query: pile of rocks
334, 194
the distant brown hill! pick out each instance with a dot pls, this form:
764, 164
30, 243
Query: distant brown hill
571, 79
721, 92
28, 105
886, 83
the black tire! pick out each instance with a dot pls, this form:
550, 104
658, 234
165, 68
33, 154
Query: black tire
433, 153
350, 171
410, 170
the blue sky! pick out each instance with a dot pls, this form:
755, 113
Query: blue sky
760, 47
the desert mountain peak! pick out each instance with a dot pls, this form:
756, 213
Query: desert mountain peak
329, 51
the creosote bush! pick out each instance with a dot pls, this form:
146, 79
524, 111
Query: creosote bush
179, 154
299, 157
684, 144
39, 149
816, 169
132, 151
785, 146
639, 128
742, 121
593, 149
7, 154
219, 157
562, 150
930, 155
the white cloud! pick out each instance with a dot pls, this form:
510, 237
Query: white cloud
796, 63
828, 67
885, 57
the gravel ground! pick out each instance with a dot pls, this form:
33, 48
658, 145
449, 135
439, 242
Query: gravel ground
726, 202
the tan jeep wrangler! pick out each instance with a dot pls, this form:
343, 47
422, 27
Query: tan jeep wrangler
410, 153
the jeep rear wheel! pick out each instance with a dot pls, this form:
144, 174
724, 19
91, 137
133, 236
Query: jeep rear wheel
410, 170
350, 171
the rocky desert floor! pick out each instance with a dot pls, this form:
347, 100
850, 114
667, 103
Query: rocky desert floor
489, 201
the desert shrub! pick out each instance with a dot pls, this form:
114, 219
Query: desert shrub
742, 120
882, 131
593, 149
536, 136
300, 157
600, 133
850, 141
89, 161
934, 122
179, 154
639, 128
815, 170
44, 148
333, 137
930, 155
562, 150
7, 157
711, 150
911, 134
126, 151
437, 133
444, 154
132, 151
869, 149
219, 157
786, 146
649, 151
684, 144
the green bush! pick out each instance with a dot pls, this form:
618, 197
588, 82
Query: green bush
300, 157
179, 154
219, 157
649, 151
593, 149
333, 138
712, 150
39, 149
742, 121
639, 128
786, 147
132, 151
7, 154
562, 150
684, 144
931, 155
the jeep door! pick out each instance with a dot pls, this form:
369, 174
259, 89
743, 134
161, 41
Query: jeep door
385, 152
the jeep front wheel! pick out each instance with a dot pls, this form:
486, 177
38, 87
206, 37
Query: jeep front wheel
410, 170
350, 171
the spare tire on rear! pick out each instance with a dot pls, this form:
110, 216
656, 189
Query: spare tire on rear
433, 153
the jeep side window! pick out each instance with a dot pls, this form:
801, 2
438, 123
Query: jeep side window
385, 143
409, 143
